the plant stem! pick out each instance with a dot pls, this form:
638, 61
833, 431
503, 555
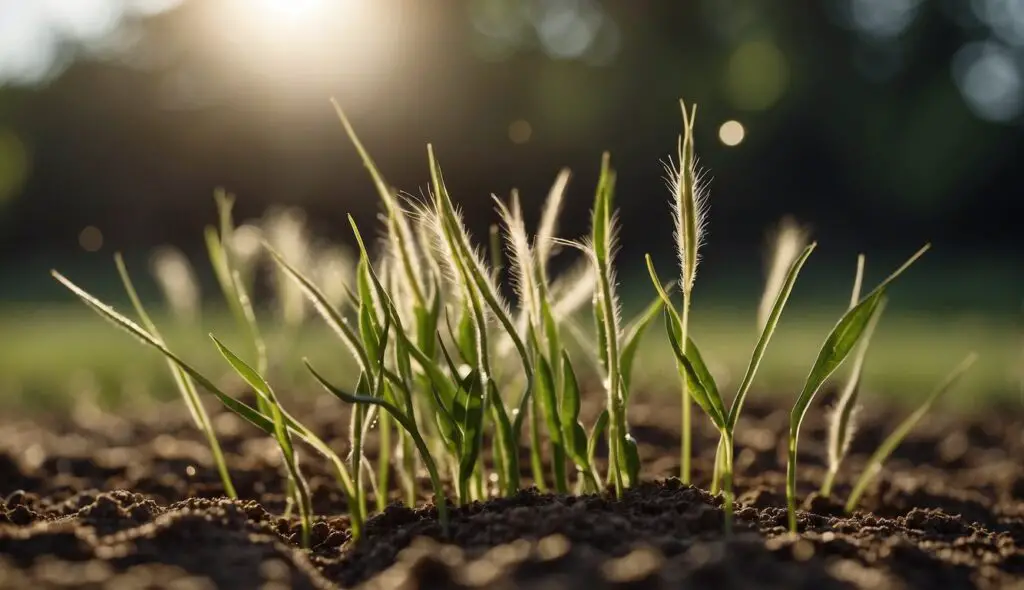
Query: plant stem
727, 477
826, 486
687, 439
218, 456
536, 462
384, 461
558, 469
791, 484
408, 467
358, 413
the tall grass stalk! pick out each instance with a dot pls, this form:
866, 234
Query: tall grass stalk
689, 208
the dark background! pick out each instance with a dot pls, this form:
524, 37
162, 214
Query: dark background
881, 123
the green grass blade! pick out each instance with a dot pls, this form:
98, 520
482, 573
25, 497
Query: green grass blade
600, 425
874, 465
281, 434
770, 325
331, 316
634, 333
837, 347
410, 427
841, 426
699, 382
183, 382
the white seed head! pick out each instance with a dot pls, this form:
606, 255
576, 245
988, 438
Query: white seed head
786, 241
177, 280
334, 269
544, 242
285, 231
689, 203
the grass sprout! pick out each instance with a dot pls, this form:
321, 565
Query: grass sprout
252, 415
447, 372
837, 346
689, 209
701, 383
284, 438
874, 465
185, 385
842, 423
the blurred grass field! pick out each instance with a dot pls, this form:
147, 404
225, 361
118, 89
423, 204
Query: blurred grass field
54, 353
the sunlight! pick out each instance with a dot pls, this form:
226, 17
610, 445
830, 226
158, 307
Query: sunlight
293, 9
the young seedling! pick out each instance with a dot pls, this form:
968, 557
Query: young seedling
837, 347
599, 248
702, 385
689, 208
842, 421
874, 465
252, 415
186, 386
297, 482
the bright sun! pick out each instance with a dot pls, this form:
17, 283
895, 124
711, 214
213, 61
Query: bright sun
293, 9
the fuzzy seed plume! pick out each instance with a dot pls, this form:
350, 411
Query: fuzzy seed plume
689, 203
177, 279
573, 289
543, 243
786, 241
521, 256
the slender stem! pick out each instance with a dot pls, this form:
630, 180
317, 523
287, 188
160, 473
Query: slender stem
686, 449
408, 467
211, 438
558, 469
791, 484
826, 486
290, 497
727, 477
358, 412
716, 476
435, 480
384, 461
536, 462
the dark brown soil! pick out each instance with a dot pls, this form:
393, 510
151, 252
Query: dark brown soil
94, 500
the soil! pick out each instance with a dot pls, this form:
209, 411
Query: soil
97, 500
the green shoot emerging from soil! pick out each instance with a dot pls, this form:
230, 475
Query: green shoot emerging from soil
702, 385
842, 422
837, 347
447, 372
689, 208
874, 465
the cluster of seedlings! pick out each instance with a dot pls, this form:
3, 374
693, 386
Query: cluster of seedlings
443, 358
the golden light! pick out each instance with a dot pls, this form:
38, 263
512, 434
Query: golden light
292, 9
520, 131
300, 51
731, 133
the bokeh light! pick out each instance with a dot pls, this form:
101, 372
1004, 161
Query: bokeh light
756, 75
36, 37
90, 238
989, 78
520, 131
732, 133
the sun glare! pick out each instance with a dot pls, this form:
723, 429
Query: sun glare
293, 9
